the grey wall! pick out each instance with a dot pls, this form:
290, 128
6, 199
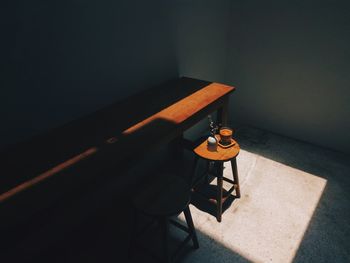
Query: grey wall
291, 63
63, 59
201, 32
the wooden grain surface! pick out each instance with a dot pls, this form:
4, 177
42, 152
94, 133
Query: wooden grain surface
183, 109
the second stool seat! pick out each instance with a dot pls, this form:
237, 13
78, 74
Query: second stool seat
163, 197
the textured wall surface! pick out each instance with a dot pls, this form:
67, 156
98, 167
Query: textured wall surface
291, 62
201, 33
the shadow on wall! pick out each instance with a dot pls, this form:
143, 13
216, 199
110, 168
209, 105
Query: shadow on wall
63, 60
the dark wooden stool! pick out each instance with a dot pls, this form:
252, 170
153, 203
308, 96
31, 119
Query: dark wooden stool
219, 156
162, 198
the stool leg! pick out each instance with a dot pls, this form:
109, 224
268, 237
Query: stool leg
191, 228
219, 192
216, 168
193, 172
235, 177
207, 172
165, 231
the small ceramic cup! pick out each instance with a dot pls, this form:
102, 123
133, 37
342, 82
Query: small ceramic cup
212, 143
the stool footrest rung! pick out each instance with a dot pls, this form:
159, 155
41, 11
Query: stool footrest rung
228, 180
231, 189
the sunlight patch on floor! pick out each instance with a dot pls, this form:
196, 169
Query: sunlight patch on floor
268, 223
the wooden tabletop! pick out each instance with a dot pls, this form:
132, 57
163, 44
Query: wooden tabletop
99, 146
220, 154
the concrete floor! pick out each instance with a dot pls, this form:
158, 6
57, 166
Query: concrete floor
295, 206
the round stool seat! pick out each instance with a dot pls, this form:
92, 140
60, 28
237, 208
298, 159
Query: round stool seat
220, 154
165, 195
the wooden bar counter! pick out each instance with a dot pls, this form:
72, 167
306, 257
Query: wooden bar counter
97, 147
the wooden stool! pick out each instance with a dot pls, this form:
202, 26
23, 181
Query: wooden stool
164, 197
219, 156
